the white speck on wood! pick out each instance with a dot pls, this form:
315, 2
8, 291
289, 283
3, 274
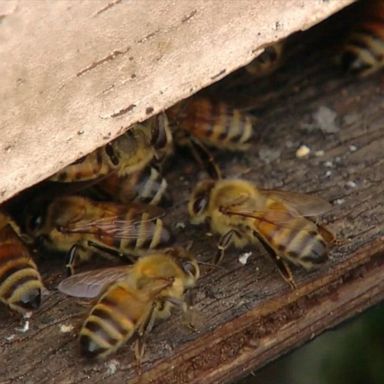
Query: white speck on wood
112, 366
351, 184
66, 328
326, 120
243, 258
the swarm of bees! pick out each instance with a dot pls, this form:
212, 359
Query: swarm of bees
116, 213
115, 207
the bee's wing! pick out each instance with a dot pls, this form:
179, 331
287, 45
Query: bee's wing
278, 212
273, 216
209, 110
306, 205
90, 284
119, 227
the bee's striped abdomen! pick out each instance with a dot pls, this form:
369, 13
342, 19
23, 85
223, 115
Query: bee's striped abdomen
304, 246
198, 119
138, 231
88, 167
295, 238
20, 281
151, 187
315, 250
111, 322
363, 51
146, 185
217, 124
240, 130
152, 233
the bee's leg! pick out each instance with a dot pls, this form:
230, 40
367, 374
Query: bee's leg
224, 242
72, 259
327, 235
110, 252
188, 298
185, 304
139, 349
189, 313
24, 323
143, 329
284, 270
282, 266
177, 302
205, 158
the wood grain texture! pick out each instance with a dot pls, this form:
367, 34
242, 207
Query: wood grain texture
246, 315
77, 74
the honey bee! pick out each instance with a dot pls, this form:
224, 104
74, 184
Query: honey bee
20, 281
363, 51
268, 61
214, 123
244, 214
81, 226
131, 299
146, 185
129, 153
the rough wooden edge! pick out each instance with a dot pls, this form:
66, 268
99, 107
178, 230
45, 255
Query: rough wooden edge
252, 340
97, 68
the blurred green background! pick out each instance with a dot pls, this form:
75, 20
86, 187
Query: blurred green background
353, 353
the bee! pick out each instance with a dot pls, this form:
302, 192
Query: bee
363, 51
80, 226
129, 153
214, 123
268, 61
131, 299
20, 281
244, 214
146, 185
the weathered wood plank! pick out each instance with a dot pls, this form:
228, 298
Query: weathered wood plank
246, 315
77, 74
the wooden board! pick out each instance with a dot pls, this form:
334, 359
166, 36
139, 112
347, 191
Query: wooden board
76, 74
246, 315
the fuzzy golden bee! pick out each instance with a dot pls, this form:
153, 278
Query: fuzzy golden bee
363, 51
268, 61
131, 299
20, 281
129, 153
80, 226
244, 214
146, 185
214, 123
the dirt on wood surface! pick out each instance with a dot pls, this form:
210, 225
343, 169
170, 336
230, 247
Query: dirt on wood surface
246, 315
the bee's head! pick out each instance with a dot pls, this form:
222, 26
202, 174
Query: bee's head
199, 201
34, 220
267, 61
123, 146
187, 263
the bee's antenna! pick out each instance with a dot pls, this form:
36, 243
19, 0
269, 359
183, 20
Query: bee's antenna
205, 158
217, 266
